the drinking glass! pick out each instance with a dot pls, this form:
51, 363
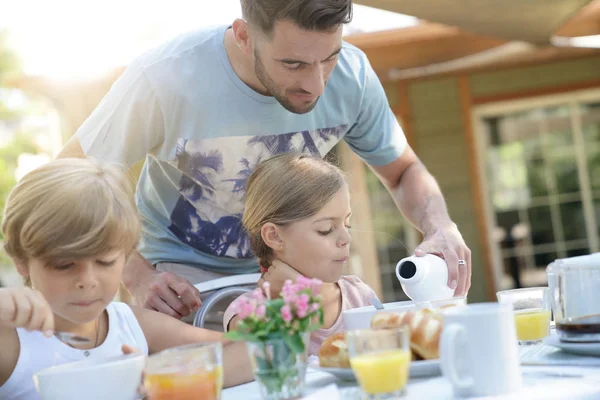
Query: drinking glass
532, 311
380, 360
185, 373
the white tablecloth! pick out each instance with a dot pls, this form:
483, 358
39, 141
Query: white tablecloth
536, 385
564, 377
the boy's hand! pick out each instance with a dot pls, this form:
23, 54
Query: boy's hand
127, 349
26, 308
276, 275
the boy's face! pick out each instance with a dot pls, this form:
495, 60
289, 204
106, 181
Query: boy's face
78, 290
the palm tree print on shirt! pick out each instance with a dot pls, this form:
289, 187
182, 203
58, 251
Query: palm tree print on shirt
208, 212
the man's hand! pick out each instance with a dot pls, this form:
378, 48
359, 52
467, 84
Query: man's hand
167, 293
164, 292
448, 243
276, 275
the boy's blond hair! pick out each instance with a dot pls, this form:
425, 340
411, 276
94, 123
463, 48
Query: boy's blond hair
284, 189
70, 209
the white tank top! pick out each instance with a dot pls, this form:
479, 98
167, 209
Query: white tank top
39, 352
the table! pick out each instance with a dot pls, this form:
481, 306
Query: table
565, 377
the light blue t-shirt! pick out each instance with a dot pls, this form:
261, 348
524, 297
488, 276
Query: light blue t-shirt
202, 131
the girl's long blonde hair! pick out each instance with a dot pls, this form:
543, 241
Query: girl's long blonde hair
70, 209
284, 189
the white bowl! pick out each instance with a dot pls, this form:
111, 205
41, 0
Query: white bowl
442, 305
360, 318
113, 378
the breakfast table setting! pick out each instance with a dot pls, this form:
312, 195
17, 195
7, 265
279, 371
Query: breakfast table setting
532, 343
548, 373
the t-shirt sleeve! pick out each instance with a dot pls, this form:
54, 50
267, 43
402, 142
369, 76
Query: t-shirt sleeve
127, 124
376, 136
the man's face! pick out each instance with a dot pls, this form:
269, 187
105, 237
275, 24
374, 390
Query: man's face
294, 64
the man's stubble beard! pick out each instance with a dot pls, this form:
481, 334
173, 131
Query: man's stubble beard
275, 91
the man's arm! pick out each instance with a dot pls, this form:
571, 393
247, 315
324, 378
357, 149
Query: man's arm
378, 139
419, 198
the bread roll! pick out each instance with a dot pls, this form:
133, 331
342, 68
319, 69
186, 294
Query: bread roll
334, 352
425, 329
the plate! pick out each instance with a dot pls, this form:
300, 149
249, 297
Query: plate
418, 369
585, 349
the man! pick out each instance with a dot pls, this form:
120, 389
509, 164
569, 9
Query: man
205, 108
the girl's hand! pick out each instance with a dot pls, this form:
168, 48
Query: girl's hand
276, 275
26, 308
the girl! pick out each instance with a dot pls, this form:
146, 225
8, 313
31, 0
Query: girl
69, 226
297, 215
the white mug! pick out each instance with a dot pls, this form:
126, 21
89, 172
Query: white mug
479, 351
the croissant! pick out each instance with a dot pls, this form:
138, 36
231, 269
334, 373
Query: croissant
334, 352
425, 329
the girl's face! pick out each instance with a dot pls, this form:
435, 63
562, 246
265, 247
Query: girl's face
318, 246
78, 290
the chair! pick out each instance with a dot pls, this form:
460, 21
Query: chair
220, 293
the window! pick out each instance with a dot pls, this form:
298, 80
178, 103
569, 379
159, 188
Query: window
541, 161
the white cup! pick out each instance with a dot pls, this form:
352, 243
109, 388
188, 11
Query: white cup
479, 351
360, 318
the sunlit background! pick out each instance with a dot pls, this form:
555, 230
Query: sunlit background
68, 42
519, 205
69, 39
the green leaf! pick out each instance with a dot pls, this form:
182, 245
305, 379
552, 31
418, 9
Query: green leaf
295, 342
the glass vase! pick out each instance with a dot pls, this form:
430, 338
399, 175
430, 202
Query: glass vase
278, 370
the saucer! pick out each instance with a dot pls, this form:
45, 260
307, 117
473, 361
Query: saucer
584, 349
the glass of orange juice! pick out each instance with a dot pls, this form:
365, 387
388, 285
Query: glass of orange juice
532, 310
380, 359
185, 373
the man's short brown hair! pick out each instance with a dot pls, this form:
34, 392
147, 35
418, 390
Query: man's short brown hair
314, 15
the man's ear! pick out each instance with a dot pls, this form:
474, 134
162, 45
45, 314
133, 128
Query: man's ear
241, 33
270, 234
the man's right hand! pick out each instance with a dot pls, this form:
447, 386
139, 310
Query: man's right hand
169, 294
164, 292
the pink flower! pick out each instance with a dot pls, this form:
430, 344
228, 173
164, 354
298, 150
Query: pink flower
258, 295
246, 307
302, 305
302, 312
261, 311
286, 313
303, 283
289, 290
315, 307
